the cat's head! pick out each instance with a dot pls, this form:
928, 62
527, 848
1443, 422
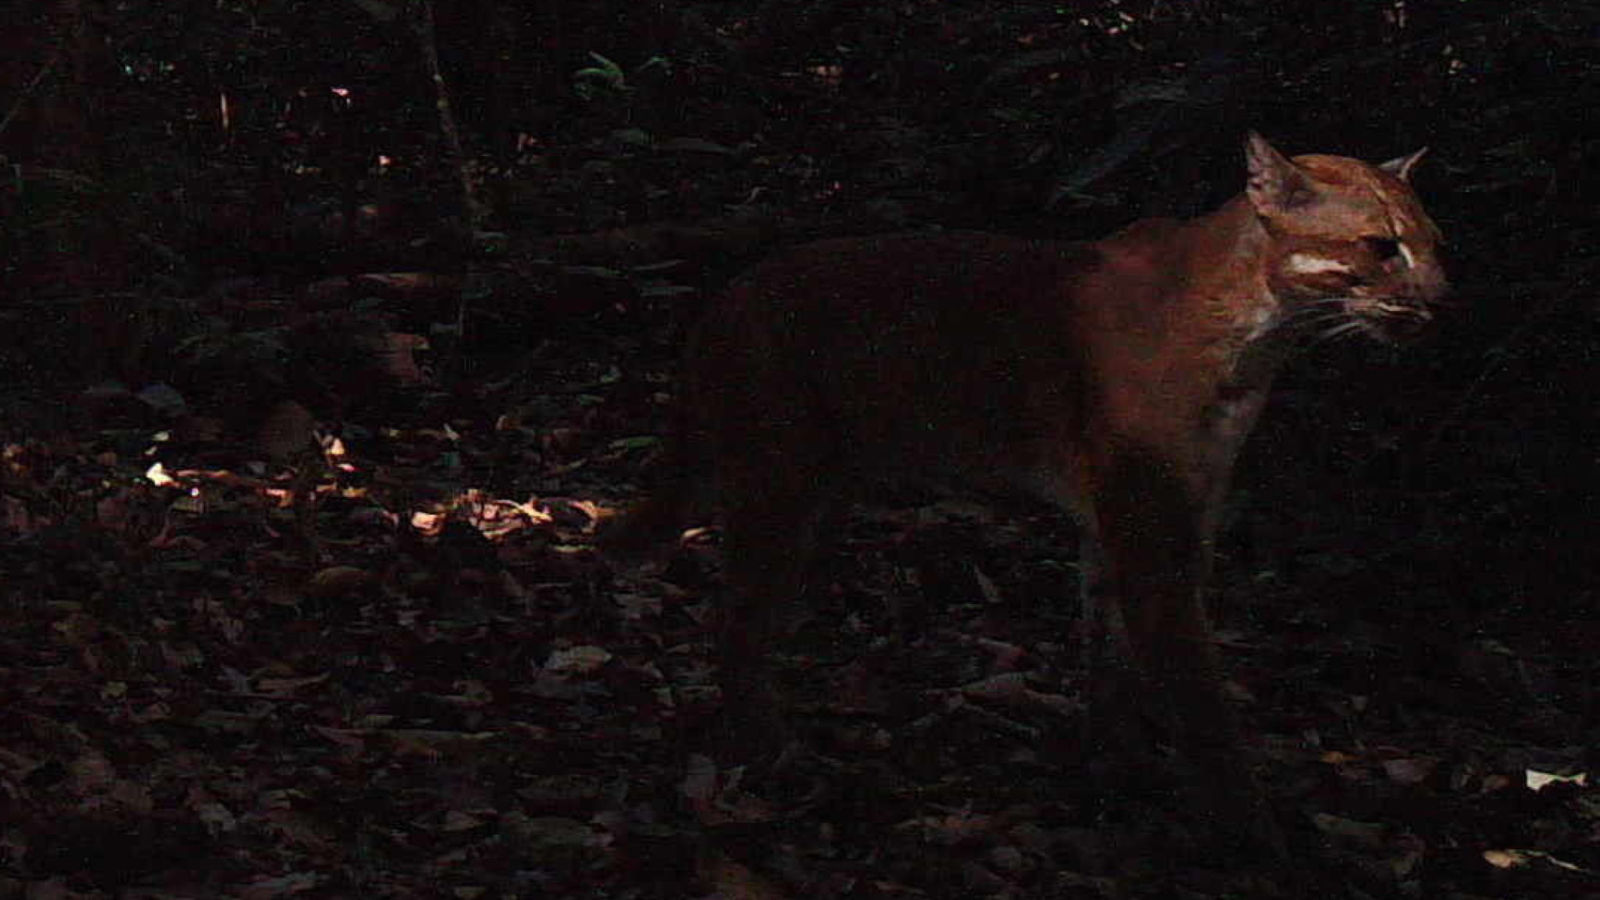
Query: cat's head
1351, 247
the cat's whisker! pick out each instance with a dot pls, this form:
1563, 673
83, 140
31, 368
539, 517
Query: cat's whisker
1342, 331
1312, 324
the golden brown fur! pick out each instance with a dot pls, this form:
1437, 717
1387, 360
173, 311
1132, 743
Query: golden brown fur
1116, 379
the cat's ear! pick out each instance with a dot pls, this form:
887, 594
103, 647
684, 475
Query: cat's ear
1275, 184
1401, 166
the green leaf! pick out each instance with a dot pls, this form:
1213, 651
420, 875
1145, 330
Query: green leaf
641, 442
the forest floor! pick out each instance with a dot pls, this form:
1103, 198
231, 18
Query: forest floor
418, 679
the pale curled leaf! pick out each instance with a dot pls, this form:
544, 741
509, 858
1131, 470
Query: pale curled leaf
581, 659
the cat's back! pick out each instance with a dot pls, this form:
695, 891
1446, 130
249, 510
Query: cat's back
902, 349
908, 292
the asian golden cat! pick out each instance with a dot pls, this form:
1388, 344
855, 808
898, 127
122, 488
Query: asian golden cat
1116, 379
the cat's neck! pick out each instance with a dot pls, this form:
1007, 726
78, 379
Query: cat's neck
1225, 255
1206, 276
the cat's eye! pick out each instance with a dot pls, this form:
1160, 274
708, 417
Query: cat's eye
1383, 248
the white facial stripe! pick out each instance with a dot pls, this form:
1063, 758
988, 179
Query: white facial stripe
1307, 264
1400, 223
